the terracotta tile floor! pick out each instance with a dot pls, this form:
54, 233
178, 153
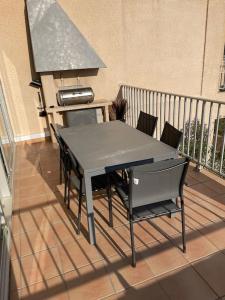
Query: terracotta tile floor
50, 261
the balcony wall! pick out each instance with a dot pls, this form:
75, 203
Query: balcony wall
155, 44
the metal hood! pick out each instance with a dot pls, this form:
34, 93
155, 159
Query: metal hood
56, 42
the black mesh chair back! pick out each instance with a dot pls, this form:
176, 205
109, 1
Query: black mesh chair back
64, 159
74, 165
80, 117
147, 123
171, 136
61, 143
156, 182
154, 190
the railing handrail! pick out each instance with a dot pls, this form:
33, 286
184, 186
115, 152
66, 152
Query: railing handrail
201, 121
174, 94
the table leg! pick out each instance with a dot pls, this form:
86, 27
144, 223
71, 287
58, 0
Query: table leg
105, 110
90, 210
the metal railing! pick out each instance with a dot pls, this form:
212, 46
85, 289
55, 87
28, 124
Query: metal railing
201, 120
222, 77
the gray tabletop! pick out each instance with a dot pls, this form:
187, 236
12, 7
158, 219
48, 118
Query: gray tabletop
98, 146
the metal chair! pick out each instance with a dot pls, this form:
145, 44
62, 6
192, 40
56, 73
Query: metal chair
73, 177
147, 123
171, 136
152, 191
80, 117
76, 180
63, 159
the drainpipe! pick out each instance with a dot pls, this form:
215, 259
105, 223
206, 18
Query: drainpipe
204, 48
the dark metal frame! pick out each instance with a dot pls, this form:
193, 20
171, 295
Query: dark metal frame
63, 160
180, 209
74, 166
171, 135
146, 123
69, 164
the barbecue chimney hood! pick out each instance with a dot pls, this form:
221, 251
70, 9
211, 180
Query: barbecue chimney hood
57, 43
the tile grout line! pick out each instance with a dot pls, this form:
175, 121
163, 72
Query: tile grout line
207, 283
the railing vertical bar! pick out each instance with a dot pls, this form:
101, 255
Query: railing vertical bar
153, 103
149, 98
216, 135
202, 134
161, 106
157, 113
184, 119
189, 127
174, 109
195, 128
124, 92
134, 105
179, 100
127, 98
169, 108
165, 108
129, 108
222, 153
135, 101
150, 102
146, 99
208, 135
138, 105
123, 88
143, 101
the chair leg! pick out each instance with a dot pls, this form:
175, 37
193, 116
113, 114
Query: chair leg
65, 188
109, 194
79, 211
183, 226
68, 192
124, 175
60, 171
132, 244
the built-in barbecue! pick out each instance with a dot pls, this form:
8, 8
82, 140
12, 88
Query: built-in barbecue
58, 47
71, 95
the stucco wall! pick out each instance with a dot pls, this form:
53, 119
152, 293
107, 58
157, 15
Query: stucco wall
15, 70
215, 41
155, 44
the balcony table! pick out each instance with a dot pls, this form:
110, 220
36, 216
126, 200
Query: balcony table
99, 146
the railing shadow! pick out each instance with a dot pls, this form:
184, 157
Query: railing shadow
101, 223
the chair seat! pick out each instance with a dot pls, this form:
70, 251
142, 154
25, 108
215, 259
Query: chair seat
149, 211
99, 182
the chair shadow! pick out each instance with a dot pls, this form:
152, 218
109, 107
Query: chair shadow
50, 178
